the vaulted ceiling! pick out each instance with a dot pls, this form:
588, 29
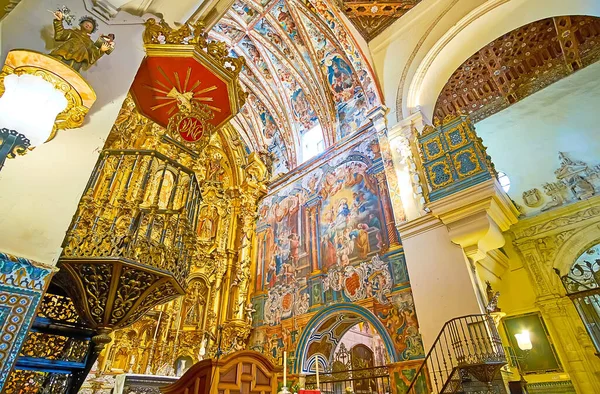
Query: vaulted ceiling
303, 69
519, 64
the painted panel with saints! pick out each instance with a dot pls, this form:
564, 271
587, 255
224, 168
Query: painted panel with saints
322, 238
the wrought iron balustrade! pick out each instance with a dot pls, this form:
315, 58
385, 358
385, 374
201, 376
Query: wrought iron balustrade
465, 345
360, 381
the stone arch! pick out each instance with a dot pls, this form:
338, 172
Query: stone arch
326, 314
574, 247
480, 27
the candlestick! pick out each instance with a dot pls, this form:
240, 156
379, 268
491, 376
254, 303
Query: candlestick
284, 368
317, 365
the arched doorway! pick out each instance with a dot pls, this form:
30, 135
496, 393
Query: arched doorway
582, 284
351, 348
328, 326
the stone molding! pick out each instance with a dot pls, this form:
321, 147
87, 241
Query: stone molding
476, 217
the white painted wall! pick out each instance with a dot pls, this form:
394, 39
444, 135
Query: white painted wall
524, 139
399, 49
39, 192
415, 57
440, 278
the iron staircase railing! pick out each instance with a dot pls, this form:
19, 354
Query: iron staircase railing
467, 345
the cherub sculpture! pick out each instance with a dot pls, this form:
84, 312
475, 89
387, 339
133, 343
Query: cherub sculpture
76, 47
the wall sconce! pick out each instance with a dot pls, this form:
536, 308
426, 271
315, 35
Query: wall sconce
39, 95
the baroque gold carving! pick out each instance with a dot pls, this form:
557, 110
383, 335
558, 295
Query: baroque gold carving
160, 33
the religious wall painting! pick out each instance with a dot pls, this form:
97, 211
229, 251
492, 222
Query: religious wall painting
340, 78
283, 16
285, 254
246, 12
350, 225
345, 40
303, 114
272, 36
351, 116
321, 238
228, 30
303, 111
248, 73
254, 57
277, 148
269, 125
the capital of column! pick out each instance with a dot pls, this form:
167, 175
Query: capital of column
476, 217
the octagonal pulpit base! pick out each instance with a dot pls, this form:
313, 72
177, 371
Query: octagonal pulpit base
111, 293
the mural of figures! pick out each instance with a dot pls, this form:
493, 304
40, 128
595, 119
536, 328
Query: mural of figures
343, 243
324, 244
245, 11
303, 110
350, 225
339, 75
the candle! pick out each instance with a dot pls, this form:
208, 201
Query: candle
317, 373
284, 368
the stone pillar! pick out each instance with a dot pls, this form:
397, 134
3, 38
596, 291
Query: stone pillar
562, 319
467, 213
440, 276
22, 285
391, 179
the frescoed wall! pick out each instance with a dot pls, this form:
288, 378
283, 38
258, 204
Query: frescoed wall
328, 237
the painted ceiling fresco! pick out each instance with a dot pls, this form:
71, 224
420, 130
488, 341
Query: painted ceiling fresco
303, 70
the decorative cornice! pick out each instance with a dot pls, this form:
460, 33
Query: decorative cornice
486, 196
558, 219
419, 226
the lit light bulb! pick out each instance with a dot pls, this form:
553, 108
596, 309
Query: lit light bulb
524, 340
29, 106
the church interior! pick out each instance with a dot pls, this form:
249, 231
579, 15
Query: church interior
300, 196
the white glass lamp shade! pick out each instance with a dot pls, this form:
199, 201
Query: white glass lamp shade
524, 340
29, 106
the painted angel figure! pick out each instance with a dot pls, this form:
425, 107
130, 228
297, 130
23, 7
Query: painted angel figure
75, 46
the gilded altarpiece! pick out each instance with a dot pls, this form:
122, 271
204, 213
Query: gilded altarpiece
552, 241
174, 336
327, 246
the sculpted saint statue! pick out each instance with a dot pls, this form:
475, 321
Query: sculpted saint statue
75, 46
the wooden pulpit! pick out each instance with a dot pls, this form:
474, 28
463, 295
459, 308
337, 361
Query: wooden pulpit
243, 372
